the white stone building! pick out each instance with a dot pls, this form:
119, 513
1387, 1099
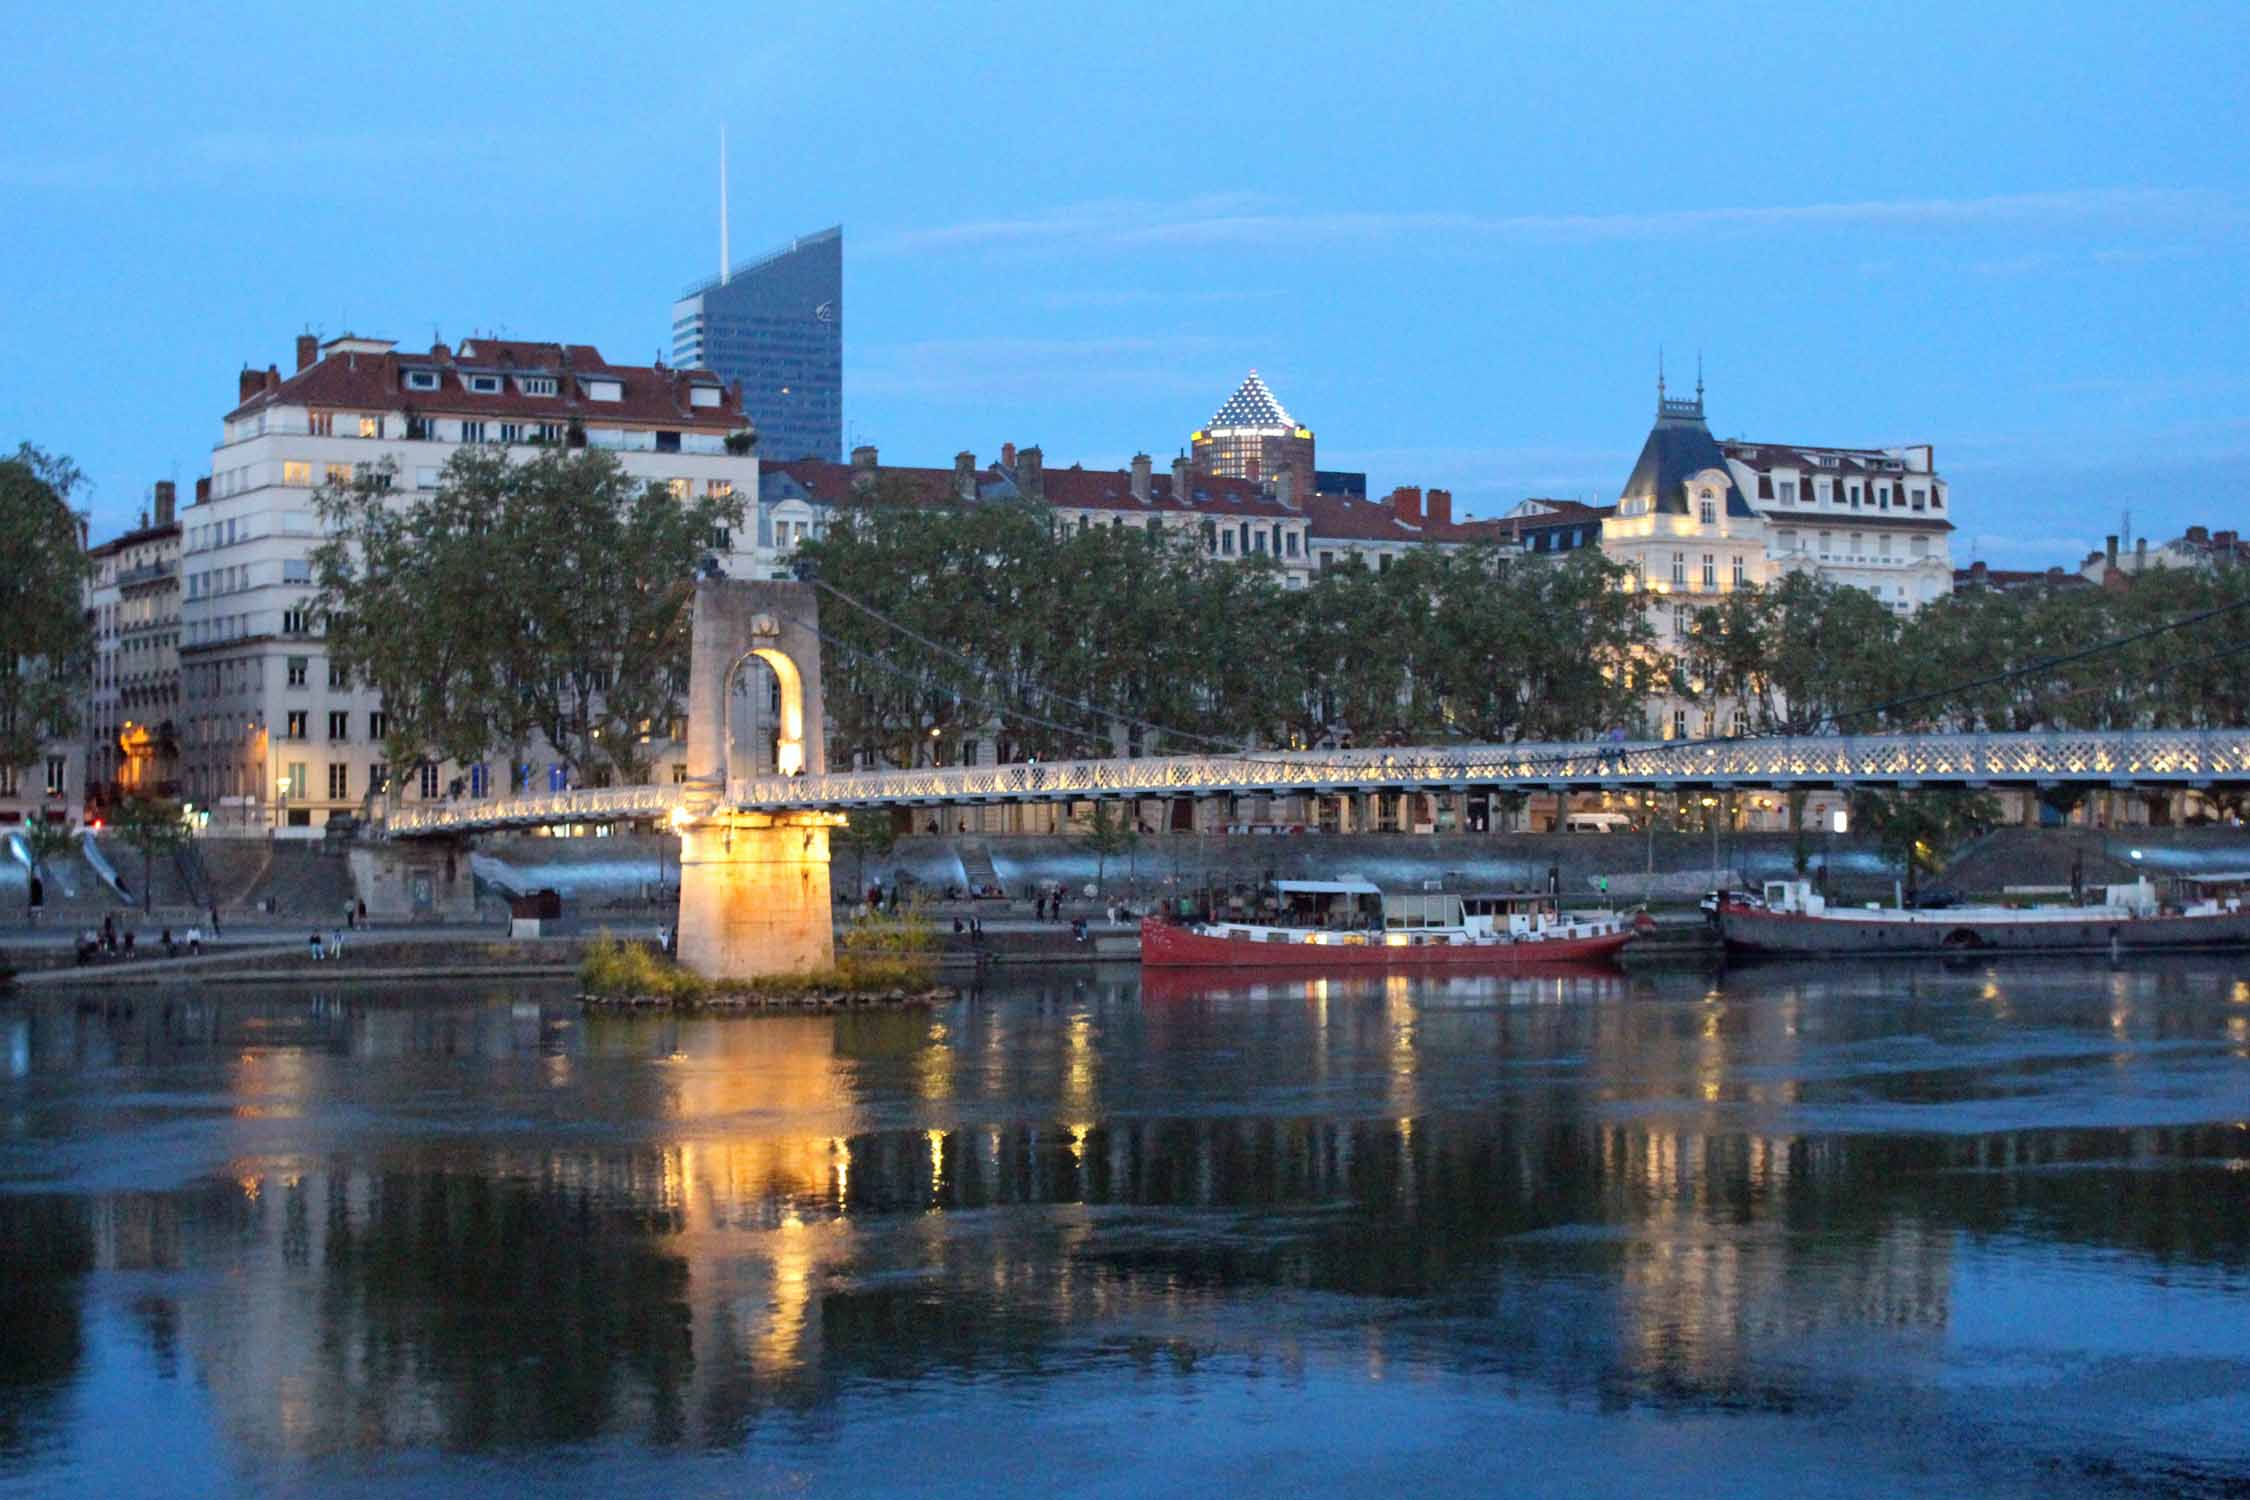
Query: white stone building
272, 733
133, 701
1870, 518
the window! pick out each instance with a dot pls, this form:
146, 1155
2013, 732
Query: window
678, 487
297, 621
718, 488
1679, 568
1883, 544
338, 781
320, 423
667, 442
511, 432
296, 570
338, 678
1226, 543
421, 380
537, 385
1291, 538
296, 724
485, 385
425, 478
377, 723
294, 781
1738, 570
339, 724
296, 472
298, 668
370, 427
480, 780
378, 777
1679, 725
1914, 499
1382, 562
337, 474
1853, 491
1921, 546
421, 430
1857, 545
57, 769
1706, 510
1824, 537
547, 432
1788, 492
428, 780
1710, 572
472, 432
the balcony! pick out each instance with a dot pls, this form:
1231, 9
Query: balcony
146, 573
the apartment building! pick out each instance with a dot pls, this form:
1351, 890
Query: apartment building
1877, 519
133, 699
273, 734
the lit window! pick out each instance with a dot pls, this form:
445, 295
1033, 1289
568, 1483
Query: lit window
320, 423
338, 474
370, 427
296, 472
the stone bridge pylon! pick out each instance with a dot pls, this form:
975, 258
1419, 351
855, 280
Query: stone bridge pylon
754, 892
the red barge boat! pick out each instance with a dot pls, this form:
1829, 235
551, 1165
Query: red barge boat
1350, 924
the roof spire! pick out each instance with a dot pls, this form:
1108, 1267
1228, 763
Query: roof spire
1660, 377
1699, 377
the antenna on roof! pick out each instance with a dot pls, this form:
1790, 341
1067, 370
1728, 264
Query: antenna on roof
722, 203
1699, 377
1660, 374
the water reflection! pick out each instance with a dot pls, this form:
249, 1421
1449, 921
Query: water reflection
360, 1224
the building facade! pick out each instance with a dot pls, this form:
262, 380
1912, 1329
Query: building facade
273, 733
133, 703
775, 327
1252, 436
1869, 518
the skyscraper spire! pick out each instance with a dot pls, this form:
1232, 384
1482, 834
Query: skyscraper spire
722, 203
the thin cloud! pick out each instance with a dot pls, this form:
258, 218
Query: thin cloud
1121, 225
1008, 368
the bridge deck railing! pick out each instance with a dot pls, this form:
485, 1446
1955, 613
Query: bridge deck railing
2124, 757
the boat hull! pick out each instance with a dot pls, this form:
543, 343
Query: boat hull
1936, 932
1164, 945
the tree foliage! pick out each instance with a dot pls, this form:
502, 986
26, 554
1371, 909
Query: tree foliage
45, 641
545, 598
152, 826
1090, 642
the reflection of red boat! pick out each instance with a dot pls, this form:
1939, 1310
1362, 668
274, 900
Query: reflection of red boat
1531, 979
1345, 924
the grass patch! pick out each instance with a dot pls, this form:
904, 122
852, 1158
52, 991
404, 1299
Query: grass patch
617, 970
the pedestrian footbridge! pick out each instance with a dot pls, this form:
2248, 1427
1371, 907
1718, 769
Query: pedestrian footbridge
2108, 759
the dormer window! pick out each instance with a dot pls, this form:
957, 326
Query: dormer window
703, 395
485, 385
537, 385
1707, 508
421, 380
605, 390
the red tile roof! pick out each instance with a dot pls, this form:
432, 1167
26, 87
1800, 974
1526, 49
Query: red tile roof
368, 382
1065, 489
1346, 518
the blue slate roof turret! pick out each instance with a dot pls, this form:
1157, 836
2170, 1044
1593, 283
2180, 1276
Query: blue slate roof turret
1679, 447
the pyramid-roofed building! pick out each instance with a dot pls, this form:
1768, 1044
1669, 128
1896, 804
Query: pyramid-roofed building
1253, 436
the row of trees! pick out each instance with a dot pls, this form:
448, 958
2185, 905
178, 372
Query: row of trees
1060, 639
1820, 655
546, 599
46, 645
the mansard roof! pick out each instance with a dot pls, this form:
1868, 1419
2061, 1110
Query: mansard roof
1252, 405
1679, 447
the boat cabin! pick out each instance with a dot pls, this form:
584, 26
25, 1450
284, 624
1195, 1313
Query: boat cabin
1516, 913
1346, 904
2208, 895
1794, 896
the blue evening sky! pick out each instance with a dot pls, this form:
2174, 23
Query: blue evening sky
1451, 237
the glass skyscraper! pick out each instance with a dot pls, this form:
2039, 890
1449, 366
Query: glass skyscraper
776, 324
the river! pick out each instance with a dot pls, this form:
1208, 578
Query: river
1785, 1231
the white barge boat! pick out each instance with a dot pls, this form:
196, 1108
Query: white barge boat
2201, 911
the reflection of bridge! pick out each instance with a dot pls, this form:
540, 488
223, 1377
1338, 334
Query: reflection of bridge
2109, 759
754, 889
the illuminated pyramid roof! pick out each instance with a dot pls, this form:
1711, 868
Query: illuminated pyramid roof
1252, 405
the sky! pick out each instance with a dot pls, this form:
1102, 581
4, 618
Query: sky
1453, 239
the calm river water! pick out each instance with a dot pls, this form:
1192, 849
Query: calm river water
1786, 1232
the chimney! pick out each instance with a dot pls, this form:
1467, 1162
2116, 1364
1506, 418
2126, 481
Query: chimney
1285, 488
2140, 553
1977, 572
203, 490
2109, 548
308, 351
1406, 503
273, 377
863, 468
2200, 536
248, 384
167, 501
1183, 490
1441, 507
1141, 470
1008, 457
965, 475
1030, 477
441, 354
2224, 540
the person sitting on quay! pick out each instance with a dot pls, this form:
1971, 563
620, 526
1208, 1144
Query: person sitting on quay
315, 941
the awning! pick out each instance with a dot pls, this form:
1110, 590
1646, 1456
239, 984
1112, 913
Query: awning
1350, 885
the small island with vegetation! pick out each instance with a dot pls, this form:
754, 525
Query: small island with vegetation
883, 959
